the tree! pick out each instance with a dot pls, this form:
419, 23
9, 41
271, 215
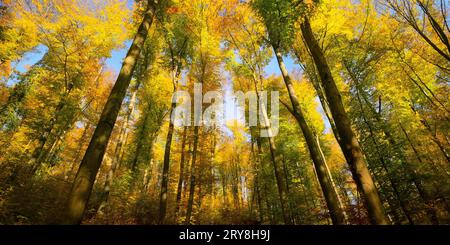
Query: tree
349, 142
204, 68
277, 39
84, 180
177, 52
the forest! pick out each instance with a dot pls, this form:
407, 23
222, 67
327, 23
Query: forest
87, 98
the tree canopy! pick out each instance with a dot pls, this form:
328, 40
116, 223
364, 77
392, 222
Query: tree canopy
360, 137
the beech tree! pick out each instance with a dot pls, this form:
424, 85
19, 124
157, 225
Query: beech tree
90, 164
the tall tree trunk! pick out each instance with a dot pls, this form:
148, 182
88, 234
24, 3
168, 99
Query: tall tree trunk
282, 191
224, 188
262, 179
258, 196
200, 179
320, 93
192, 178
165, 172
330, 194
123, 134
85, 178
236, 182
180, 179
349, 143
186, 173
82, 141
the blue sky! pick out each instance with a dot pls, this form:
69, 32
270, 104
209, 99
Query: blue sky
27, 60
115, 62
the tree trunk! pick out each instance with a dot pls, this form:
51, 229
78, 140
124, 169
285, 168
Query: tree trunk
180, 179
276, 162
320, 93
259, 176
85, 178
186, 173
330, 194
82, 141
349, 143
192, 184
165, 172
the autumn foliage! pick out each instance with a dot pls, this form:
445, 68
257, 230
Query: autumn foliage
363, 126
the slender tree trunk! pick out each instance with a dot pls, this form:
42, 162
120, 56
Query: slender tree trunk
257, 180
320, 93
186, 173
200, 179
349, 143
276, 166
269, 211
330, 194
211, 173
40, 152
224, 188
235, 183
165, 172
124, 130
180, 179
192, 179
82, 141
258, 200
85, 178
